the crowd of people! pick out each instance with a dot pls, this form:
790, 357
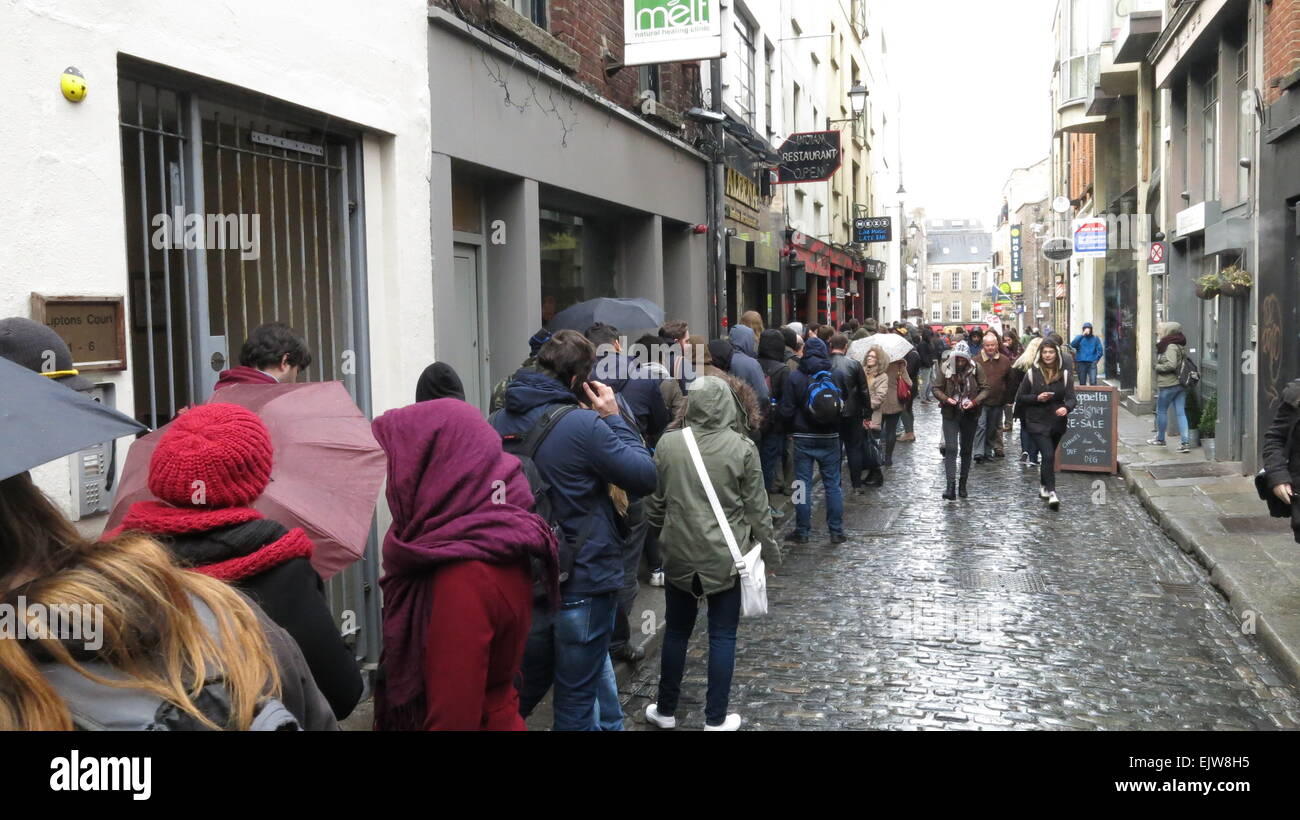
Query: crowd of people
510, 568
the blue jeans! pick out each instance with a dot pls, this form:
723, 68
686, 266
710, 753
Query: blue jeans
609, 712
826, 452
770, 453
570, 648
1087, 372
724, 617
1177, 396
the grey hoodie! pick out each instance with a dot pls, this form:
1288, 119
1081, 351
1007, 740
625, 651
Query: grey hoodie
744, 364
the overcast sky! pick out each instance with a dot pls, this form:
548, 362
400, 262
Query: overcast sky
973, 77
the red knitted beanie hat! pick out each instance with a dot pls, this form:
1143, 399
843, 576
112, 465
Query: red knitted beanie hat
224, 446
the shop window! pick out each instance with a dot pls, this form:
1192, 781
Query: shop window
578, 260
1210, 115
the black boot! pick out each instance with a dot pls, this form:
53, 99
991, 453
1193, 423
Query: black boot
875, 478
950, 494
961, 487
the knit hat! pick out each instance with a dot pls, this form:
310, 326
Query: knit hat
224, 446
962, 350
538, 339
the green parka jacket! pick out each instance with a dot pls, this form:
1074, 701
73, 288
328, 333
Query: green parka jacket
691, 541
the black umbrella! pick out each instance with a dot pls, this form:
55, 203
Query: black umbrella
41, 420
625, 314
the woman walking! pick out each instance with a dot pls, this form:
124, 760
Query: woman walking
1046, 397
155, 624
960, 388
876, 365
1170, 352
697, 561
892, 410
457, 584
1028, 450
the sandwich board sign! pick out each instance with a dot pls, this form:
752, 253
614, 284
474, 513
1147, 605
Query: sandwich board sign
671, 31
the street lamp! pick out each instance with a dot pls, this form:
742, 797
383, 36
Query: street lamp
858, 99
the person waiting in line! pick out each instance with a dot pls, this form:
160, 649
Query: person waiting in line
499, 391
439, 381
697, 561
1046, 397
771, 357
458, 579
876, 367
1087, 353
273, 354
218, 533
1281, 453
1170, 352
852, 381
816, 441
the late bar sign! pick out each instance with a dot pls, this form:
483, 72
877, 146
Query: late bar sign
811, 156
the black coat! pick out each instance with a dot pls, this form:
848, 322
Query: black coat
1039, 417
852, 381
291, 594
1281, 452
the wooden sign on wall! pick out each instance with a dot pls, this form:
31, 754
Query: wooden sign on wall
94, 328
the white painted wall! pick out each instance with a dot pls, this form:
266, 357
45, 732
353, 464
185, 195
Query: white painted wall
64, 231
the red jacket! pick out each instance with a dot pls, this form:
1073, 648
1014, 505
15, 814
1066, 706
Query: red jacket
477, 630
243, 375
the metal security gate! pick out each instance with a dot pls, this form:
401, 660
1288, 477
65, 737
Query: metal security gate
253, 221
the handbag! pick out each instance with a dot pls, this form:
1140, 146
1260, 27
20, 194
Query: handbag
1276, 506
753, 572
904, 390
872, 458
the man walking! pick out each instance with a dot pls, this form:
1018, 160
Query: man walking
1087, 352
997, 372
587, 450
816, 437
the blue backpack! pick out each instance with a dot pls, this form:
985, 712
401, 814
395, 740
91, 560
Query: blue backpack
825, 401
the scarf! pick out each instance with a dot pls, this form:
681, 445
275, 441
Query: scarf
168, 522
1173, 338
454, 496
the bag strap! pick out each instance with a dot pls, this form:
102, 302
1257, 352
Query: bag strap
533, 440
723, 523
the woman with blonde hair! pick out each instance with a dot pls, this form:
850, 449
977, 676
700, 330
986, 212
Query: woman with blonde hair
753, 320
137, 643
876, 364
1028, 449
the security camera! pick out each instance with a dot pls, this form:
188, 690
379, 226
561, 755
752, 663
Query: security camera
704, 115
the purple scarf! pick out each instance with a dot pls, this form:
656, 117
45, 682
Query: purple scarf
446, 479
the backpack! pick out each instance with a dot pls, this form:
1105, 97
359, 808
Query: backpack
524, 446
825, 401
1188, 374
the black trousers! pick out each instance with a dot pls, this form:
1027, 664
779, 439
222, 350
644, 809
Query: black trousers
958, 436
852, 439
1046, 443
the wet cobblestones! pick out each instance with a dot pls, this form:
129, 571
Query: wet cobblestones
989, 613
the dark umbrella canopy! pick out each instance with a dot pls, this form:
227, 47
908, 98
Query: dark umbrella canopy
627, 315
41, 420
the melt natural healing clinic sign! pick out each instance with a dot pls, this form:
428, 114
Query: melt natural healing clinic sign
670, 31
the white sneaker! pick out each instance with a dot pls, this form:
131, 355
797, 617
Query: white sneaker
1155, 442
657, 578
1043, 493
1053, 502
731, 724
653, 717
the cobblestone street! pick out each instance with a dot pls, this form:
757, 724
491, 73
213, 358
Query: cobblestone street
991, 612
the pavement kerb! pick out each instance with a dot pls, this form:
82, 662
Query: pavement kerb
1221, 576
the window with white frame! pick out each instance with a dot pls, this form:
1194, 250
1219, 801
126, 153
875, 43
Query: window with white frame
1210, 93
954, 312
956, 280
534, 10
744, 68
975, 311
935, 284
1245, 120
936, 311
1084, 24
974, 280
768, 74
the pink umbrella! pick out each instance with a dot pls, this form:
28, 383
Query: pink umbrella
327, 473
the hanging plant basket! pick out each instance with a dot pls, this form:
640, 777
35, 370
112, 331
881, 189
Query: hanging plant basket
1207, 291
1234, 290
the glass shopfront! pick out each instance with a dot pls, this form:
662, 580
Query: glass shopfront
578, 260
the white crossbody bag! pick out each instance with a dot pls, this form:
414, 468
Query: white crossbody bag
753, 573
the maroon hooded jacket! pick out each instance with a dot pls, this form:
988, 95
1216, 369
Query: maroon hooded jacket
243, 375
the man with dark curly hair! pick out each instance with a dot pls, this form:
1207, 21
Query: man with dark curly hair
273, 354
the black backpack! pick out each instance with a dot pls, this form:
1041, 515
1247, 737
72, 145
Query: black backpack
523, 446
1188, 374
825, 401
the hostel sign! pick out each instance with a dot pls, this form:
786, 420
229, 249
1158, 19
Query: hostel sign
670, 31
1017, 270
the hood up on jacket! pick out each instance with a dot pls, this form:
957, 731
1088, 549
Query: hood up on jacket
771, 345
532, 389
701, 413
1168, 329
720, 353
743, 338
815, 357
1170, 333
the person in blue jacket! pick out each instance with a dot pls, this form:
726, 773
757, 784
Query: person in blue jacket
745, 366
1087, 352
589, 449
